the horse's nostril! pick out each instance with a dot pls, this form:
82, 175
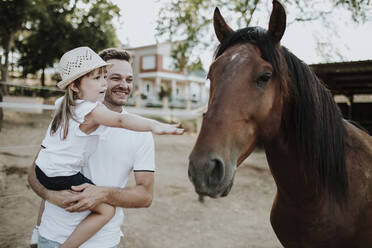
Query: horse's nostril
217, 172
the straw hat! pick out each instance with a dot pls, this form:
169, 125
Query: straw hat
76, 63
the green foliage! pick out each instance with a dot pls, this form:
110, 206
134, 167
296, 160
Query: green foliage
189, 21
184, 20
358, 8
45, 39
14, 14
52, 27
164, 92
196, 66
7, 9
94, 27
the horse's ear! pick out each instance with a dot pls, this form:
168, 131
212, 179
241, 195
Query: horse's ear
221, 29
277, 22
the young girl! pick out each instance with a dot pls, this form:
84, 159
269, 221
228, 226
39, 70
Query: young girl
75, 129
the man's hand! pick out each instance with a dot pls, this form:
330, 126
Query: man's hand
59, 197
89, 197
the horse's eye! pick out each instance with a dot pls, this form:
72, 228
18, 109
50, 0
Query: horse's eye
263, 79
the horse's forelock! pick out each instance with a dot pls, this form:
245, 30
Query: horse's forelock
257, 36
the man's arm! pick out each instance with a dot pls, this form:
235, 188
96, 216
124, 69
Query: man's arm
138, 196
55, 197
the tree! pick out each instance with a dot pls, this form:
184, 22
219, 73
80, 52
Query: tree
61, 26
94, 27
13, 16
196, 66
46, 38
185, 21
188, 22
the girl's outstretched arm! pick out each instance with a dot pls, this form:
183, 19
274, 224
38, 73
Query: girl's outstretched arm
103, 116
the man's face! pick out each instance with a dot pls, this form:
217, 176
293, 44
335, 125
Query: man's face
120, 82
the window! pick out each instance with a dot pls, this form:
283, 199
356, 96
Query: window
148, 62
168, 63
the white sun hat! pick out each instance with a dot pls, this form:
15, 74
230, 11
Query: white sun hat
76, 63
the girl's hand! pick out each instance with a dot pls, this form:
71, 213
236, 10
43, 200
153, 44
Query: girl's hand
162, 128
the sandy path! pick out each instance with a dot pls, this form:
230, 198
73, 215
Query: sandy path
175, 219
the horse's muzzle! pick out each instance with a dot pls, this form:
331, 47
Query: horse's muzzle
209, 177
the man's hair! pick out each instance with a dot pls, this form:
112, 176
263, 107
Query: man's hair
115, 53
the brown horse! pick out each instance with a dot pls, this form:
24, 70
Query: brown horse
322, 164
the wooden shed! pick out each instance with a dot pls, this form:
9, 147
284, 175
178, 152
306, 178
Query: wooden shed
353, 80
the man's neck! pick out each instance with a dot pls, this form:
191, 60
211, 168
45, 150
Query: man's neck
116, 108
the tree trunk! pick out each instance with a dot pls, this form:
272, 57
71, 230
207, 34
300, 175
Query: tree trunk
4, 73
6, 64
1, 76
42, 91
43, 76
1, 67
1, 111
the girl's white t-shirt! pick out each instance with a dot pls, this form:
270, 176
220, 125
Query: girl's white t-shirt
66, 157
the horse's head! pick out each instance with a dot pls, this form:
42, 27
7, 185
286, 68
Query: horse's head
246, 100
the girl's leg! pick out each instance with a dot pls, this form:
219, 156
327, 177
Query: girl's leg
100, 215
35, 232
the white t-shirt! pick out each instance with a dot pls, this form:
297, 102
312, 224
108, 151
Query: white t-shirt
119, 152
66, 157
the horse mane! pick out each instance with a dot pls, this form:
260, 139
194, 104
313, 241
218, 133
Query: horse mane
311, 120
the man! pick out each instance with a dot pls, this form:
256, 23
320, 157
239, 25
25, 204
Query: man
118, 153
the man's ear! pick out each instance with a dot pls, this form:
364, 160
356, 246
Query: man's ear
73, 87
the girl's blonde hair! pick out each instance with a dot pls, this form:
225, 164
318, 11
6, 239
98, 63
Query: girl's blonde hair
65, 111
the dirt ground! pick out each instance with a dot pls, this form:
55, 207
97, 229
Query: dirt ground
175, 219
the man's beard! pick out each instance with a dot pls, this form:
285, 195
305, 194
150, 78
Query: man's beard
115, 100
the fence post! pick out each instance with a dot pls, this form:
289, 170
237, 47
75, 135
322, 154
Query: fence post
1, 111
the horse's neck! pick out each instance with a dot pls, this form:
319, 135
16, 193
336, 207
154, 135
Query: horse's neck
291, 181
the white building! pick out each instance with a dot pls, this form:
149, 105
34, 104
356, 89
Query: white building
157, 84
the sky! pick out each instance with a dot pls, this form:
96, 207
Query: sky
138, 21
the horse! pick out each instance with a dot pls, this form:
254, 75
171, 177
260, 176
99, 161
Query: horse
321, 163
